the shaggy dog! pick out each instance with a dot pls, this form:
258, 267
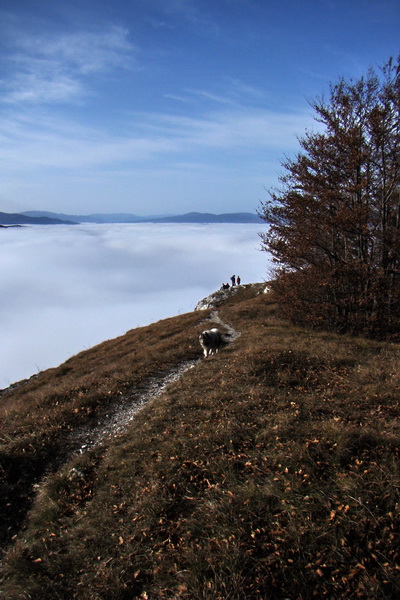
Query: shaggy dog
211, 341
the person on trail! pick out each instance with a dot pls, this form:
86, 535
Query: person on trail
238, 280
233, 279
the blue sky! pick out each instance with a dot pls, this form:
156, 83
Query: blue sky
169, 106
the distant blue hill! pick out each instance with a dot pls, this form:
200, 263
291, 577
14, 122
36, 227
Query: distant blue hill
23, 219
192, 217
196, 217
93, 218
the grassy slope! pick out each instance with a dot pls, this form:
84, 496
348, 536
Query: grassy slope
268, 471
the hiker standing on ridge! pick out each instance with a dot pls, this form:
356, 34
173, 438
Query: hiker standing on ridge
238, 280
233, 278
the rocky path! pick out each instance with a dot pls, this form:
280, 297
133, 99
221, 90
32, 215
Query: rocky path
228, 330
119, 417
102, 429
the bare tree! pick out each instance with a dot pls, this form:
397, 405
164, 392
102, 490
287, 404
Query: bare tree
334, 225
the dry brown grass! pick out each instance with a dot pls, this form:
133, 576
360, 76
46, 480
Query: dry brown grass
268, 471
38, 416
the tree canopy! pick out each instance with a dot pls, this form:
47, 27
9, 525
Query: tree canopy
334, 224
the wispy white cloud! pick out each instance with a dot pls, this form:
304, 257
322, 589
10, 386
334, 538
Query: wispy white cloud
54, 68
52, 154
37, 140
234, 92
235, 129
212, 97
190, 11
240, 88
46, 88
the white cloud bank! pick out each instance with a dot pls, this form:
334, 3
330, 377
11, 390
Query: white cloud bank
67, 288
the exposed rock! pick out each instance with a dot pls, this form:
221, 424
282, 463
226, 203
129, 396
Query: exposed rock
217, 298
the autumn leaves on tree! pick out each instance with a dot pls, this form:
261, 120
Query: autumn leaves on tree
334, 225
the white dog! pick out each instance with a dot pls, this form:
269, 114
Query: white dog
210, 340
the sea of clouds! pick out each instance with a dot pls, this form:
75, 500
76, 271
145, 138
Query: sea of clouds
68, 288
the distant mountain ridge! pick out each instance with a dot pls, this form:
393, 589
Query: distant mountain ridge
191, 217
196, 217
38, 219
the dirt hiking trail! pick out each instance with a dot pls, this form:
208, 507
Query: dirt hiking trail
106, 426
